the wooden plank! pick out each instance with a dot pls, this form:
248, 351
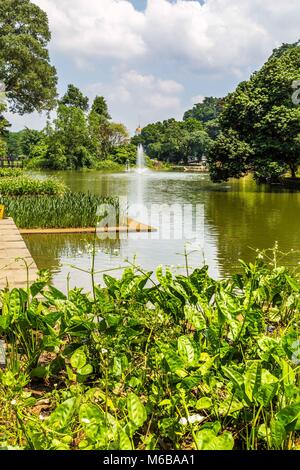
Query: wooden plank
132, 226
13, 271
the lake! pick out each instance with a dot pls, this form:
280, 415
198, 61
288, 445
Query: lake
235, 218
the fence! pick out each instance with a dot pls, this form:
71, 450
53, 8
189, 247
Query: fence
11, 162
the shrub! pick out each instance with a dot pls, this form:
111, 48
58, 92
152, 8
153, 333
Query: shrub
10, 172
25, 185
108, 165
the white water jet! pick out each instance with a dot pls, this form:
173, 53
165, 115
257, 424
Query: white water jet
140, 161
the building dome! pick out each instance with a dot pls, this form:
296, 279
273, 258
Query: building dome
138, 130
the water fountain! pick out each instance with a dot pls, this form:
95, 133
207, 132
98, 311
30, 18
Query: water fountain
128, 169
140, 161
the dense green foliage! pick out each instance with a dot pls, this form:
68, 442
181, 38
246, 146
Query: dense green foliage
175, 141
261, 117
207, 112
24, 185
70, 210
25, 68
22, 143
10, 172
186, 362
75, 139
74, 98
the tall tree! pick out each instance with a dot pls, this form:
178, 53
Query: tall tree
70, 138
208, 110
261, 116
175, 141
25, 67
99, 107
75, 98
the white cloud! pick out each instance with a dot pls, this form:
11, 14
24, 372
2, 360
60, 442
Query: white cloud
131, 94
197, 99
218, 35
206, 47
96, 28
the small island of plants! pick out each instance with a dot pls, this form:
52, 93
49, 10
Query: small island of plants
47, 203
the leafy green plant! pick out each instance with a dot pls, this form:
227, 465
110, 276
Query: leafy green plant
180, 362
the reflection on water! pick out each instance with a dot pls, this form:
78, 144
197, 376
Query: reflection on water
238, 216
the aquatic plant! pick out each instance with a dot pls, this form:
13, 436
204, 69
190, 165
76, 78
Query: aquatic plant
70, 210
164, 362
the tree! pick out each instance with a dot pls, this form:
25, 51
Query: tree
208, 110
105, 135
75, 98
99, 107
69, 143
28, 139
25, 68
229, 157
261, 115
123, 153
118, 134
174, 141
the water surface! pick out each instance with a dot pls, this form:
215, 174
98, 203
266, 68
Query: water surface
238, 216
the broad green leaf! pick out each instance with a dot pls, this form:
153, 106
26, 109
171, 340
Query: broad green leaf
204, 403
194, 317
252, 379
86, 370
78, 359
288, 374
186, 350
15, 306
233, 375
204, 368
293, 283
124, 441
290, 414
136, 410
91, 418
207, 440
62, 416
277, 434
174, 362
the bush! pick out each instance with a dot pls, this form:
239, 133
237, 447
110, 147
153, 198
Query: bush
25, 185
10, 172
123, 154
108, 165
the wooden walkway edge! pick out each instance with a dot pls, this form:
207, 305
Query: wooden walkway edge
132, 226
14, 256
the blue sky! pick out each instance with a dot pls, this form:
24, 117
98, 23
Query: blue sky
153, 59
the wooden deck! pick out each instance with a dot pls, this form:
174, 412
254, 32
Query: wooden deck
13, 256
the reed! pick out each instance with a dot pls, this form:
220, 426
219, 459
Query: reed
70, 210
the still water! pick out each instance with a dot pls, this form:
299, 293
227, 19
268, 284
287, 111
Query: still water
235, 218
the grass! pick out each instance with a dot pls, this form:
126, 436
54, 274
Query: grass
154, 362
70, 210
